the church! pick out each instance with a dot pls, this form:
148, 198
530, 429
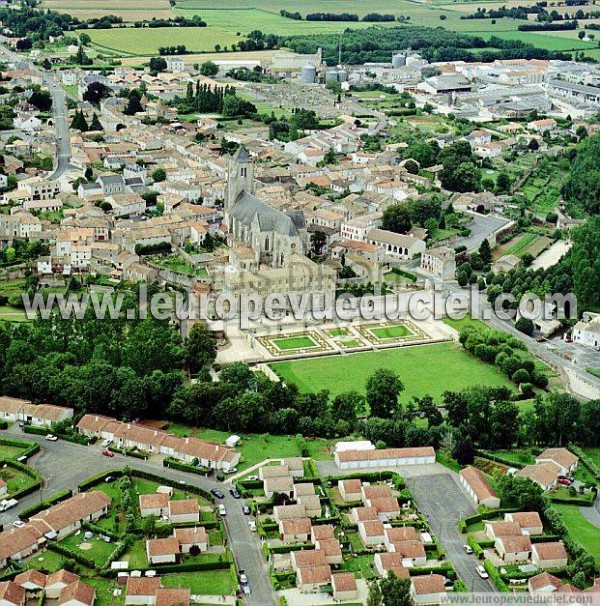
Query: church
268, 247
274, 236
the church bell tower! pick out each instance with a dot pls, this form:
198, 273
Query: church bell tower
240, 176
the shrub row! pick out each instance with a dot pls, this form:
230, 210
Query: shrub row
38, 431
572, 501
447, 570
99, 479
3, 424
98, 530
486, 515
495, 576
128, 453
173, 483
38, 480
175, 464
57, 498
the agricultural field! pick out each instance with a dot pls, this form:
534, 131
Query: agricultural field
525, 243
228, 21
145, 42
454, 370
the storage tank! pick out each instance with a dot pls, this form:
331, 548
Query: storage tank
412, 60
308, 74
398, 60
342, 75
331, 75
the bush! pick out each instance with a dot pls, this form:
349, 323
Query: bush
175, 464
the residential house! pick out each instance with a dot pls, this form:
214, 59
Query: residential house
10, 408
311, 504
549, 555
332, 550
371, 532
428, 589
11, 594
399, 534
390, 561
162, 551
543, 583
295, 531
183, 511
395, 245
363, 514
167, 596
412, 552
529, 521
493, 530
439, 262
32, 581
273, 471
141, 591
513, 549
188, 537
289, 512
344, 587
154, 504
18, 543
58, 581
307, 558
280, 485
77, 594
350, 490
544, 474
321, 532
295, 466
565, 459
478, 487
311, 579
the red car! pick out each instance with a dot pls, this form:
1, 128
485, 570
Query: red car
565, 481
108, 453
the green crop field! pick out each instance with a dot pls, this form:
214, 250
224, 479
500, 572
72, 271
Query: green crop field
144, 42
427, 369
391, 332
287, 343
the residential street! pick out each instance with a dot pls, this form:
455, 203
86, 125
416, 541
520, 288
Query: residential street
444, 503
64, 465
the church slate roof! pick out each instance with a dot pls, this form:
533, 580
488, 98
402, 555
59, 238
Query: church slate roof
247, 207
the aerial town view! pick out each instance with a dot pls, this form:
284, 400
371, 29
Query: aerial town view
299, 302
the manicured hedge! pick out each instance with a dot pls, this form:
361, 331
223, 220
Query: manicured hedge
99, 479
128, 453
38, 431
479, 517
38, 480
175, 464
61, 496
29, 448
447, 570
572, 501
3, 424
137, 473
495, 576
183, 567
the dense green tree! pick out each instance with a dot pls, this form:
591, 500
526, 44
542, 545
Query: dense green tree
396, 218
383, 390
209, 69
200, 348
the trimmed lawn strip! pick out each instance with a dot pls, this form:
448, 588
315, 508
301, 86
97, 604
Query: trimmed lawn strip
287, 343
582, 531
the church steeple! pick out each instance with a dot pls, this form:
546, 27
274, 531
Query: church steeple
240, 176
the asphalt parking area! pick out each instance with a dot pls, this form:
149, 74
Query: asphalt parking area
441, 499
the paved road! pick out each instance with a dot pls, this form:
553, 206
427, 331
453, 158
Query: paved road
64, 465
444, 503
59, 112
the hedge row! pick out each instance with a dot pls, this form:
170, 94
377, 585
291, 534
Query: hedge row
573, 501
183, 567
38, 431
3, 424
29, 448
486, 515
497, 459
128, 453
495, 576
98, 530
175, 464
27, 471
447, 570
137, 473
57, 498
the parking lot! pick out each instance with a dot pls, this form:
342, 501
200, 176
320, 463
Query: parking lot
444, 503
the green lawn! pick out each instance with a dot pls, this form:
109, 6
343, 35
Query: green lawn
363, 565
426, 369
15, 480
391, 332
46, 560
214, 582
301, 342
594, 371
11, 452
466, 321
95, 549
593, 454
580, 529
258, 447
338, 332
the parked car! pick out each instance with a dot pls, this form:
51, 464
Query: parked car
235, 493
246, 589
564, 481
217, 493
246, 510
222, 510
18, 523
252, 525
107, 442
51, 438
6, 504
243, 577
252, 478
108, 453
468, 549
232, 470
481, 571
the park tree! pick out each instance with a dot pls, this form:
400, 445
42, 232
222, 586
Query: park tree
158, 64
521, 492
383, 390
396, 218
159, 174
96, 92
200, 348
209, 69
238, 375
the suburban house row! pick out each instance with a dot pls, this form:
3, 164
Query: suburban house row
156, 441
15, 410
57, 522
370, 458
